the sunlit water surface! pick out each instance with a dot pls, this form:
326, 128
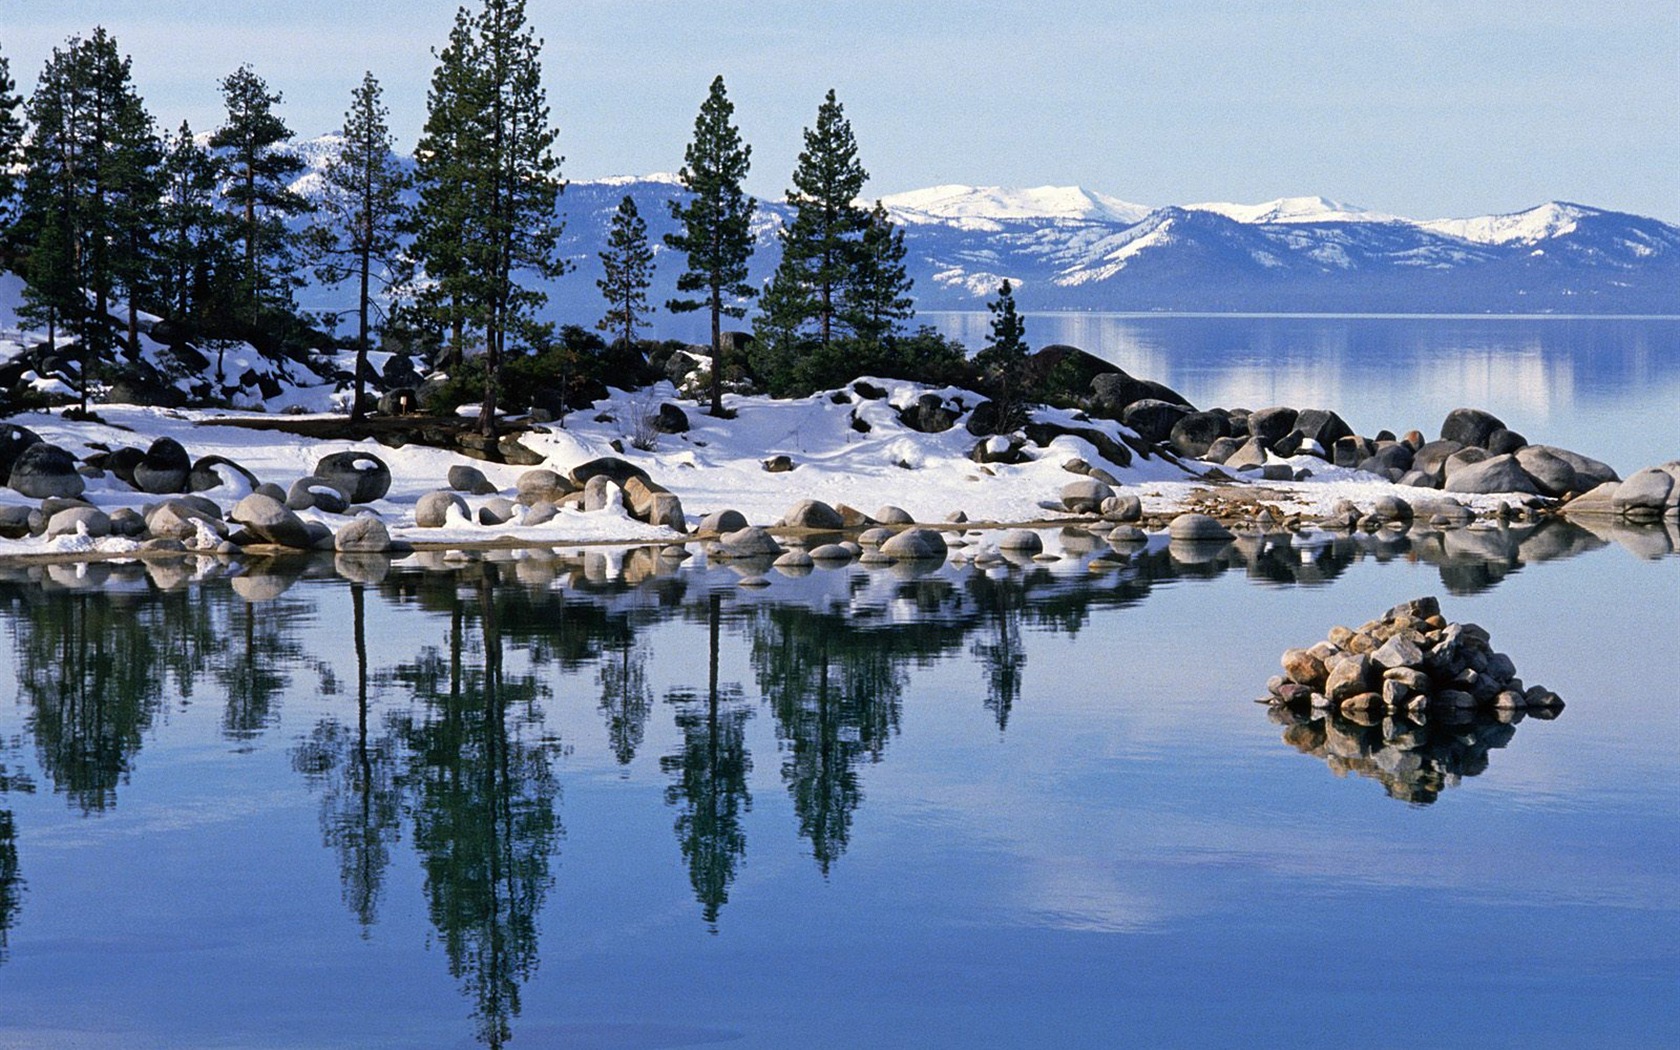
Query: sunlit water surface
613, 802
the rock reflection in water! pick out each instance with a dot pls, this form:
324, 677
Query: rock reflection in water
1413, 762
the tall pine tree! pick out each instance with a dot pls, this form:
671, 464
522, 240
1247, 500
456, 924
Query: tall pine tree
486, 230
716, 232
1003, 361
196, 268
258, 191
89, 201
628, 266
11, 144
821, 245
877, 300
361, 215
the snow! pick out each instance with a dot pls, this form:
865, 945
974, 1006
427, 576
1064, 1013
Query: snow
1293, 209
984, 207
1552, 219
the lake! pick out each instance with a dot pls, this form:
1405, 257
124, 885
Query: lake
602, 799
1605, 387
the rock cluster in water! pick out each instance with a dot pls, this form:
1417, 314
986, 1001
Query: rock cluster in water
1410, 661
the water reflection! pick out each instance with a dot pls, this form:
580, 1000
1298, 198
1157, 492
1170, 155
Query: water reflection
1413, 762
11, 879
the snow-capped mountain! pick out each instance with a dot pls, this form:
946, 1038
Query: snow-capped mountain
1069, 248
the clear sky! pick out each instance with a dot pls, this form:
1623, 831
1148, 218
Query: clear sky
1426, 108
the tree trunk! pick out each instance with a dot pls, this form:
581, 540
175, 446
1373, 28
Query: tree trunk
717, 352
361, 342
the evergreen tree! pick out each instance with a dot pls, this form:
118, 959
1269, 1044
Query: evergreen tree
487, 232
11, 144
258, 190
628, 262
194, 266
1003, 361
878, 298
822, 245
716, 223
357, 236
89, 198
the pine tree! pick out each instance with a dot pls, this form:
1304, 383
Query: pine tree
486, 230
194, 265
1004, 358
821, 246
258, 190
362, 214
716, 223
878, 301
628, 262
89, 202
11, 145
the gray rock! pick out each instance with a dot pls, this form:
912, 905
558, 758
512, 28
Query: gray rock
1417, 479
1398, 651
13, 440
794, 560
1644, 494
780, 464
1431, 458
1349, 676
1551, 474
14, 522
1468, 456
1390, 455
497, 511
813, 514
540, 513
1498, 474
361, 476
92, 520
916, 545
874, 537
1023, 541
1197, 527
1123, 507
749, 543
1251, 453
1269, 425
542, 485
891, 515
1193, 434
164, 469
1323, 426
42, 470
318, 493
721, 521
271, 521
1392, 508
432, 509
616, 470
832, 552
128, 523
1470, 426
210, 473
670, 419
271, 490
1502, 441
1153, 419
929, 415
1127, 535
1588, 471
469, 479
1085, 496
174, 519
363, 534
600, 492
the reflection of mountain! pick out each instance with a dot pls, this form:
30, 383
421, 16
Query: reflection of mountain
1414, 763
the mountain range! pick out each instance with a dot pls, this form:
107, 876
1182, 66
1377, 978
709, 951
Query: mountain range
1068, 248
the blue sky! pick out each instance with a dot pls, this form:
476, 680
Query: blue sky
1426, 109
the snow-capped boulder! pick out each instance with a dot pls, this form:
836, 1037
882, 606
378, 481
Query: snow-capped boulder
42, 470
361, 476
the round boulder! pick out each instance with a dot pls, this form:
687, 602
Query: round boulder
722, 521
432, 510
1192, 435
1470, 426
13, 440
1024, 541
270, 521
469, 479
361, 476
164, 469
219, 472
748, 543
91, 520
1197, 528
1085, 496
1496, 474
1123, 507
616, 470
42, 470
916, 545
670, 419
891, 515
1153, 419
813, 514
363, 534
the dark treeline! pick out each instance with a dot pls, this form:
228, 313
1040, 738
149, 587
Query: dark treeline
112, 220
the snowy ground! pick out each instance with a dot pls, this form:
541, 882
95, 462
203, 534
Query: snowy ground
718, 464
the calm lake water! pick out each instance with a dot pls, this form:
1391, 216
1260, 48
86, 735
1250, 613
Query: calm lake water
1605, 387
608, 802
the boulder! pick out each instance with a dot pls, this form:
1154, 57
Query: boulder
539, 513
1432, 457
1043, 433
670, 419
15, 522
1197, 528
542, 485
165, 468
1644, 494
780, 464
1085, 496
1269, 425
42, 470
1251, 453
432, 509
66, 522
1498, 474
916, 545
1123, 507
1552, 474
469, 479
1024, 541
1349, 676
986, 419
929, 415
601, 492
1352, 450
831, 552
13, 440
1589, 472
176, 519
1467, 456
1222, 450
813, 514
363, 534
218, 472
1193, 434
721, 521
361, 476
1392, 508
748, 543
1391, 455
1470, 426
1503, 441
271, 522
1127, 535
498, 511
891, 515
1321, 425
1153, 419
317, 493
612, 468
1113, 392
